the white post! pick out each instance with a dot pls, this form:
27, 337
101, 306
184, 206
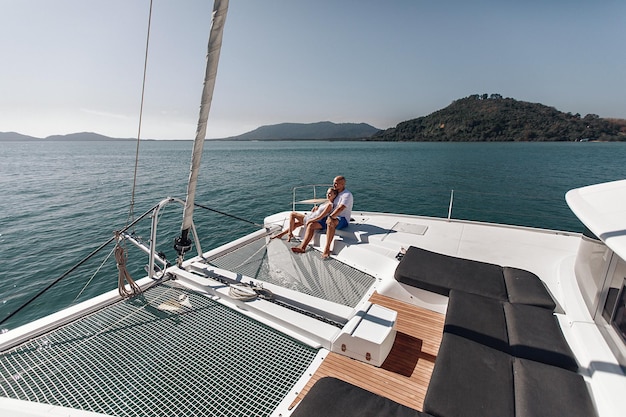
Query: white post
450, 207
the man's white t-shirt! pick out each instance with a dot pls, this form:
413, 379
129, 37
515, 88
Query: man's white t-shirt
345, 198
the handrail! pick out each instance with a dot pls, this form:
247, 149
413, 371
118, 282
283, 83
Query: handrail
153, 232
314, 200
498, 206
502, 206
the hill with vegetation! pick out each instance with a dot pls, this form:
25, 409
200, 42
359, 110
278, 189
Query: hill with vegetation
310, 131
494, 118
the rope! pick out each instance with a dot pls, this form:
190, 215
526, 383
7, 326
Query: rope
249, 292
241, 292
124, 276
143, 90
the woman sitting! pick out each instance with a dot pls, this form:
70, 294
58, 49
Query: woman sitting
318, 214
317, 223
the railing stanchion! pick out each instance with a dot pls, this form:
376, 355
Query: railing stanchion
450, 207
295, 202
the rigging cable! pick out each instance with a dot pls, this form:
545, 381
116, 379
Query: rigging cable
143, 91
94, 274
228, 215
72, 269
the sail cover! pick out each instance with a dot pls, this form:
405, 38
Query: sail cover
220, 8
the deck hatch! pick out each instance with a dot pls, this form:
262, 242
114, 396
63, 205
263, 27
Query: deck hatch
134, 359
307, 273
416, 229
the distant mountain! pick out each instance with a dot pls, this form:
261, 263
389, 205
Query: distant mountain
75, 137
83, 137
310, 131
494, 118
14, 136
476, 118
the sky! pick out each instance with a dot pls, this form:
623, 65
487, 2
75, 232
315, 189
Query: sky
70, 66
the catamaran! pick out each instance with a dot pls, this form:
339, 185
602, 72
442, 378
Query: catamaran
410, 316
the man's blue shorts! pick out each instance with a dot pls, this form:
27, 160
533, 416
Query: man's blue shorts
342, 223
322, 222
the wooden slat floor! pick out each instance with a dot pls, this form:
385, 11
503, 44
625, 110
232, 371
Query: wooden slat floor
405, 374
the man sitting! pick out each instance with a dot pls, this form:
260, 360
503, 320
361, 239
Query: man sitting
338, 218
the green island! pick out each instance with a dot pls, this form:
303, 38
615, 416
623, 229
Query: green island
481, 118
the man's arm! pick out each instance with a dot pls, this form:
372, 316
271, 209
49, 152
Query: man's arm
337, 211
321, 215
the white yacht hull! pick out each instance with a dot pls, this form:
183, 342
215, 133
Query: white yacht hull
373, 244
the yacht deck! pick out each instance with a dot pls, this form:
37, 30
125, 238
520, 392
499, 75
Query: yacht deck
405, 374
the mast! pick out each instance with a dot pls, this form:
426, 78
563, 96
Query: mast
220, 7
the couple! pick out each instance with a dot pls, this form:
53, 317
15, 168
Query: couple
332, 215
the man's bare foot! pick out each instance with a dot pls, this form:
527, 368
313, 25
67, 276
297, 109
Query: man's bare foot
289, 238
325, 255
297, 249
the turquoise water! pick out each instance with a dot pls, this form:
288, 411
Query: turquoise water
61, 200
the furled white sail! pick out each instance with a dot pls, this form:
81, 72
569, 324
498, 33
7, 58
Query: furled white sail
220, 8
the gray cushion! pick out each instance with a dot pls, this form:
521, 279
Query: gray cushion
542, 391
440, 273
524, 287
331, 397
477, 318
534, 333
470, 379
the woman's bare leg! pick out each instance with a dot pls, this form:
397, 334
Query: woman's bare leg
295, 220
308, 235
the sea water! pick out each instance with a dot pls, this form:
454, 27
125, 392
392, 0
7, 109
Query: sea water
60, 200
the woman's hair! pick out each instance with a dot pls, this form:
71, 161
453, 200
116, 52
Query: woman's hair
332, 190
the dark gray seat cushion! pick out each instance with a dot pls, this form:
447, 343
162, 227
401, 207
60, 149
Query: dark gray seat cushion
331, 397
523, 331
440, 273
477, 318
524, 287
470, 379
534, 333
543, 391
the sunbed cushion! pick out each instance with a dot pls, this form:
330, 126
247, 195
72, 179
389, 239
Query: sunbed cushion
534, 333
331, 397
524, 287
440, 273
543, 390
470, 379
477, 318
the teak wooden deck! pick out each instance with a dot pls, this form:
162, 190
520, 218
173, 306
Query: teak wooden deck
405, 374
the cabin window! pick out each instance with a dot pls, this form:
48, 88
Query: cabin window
611, 302
611, 317
618, 320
